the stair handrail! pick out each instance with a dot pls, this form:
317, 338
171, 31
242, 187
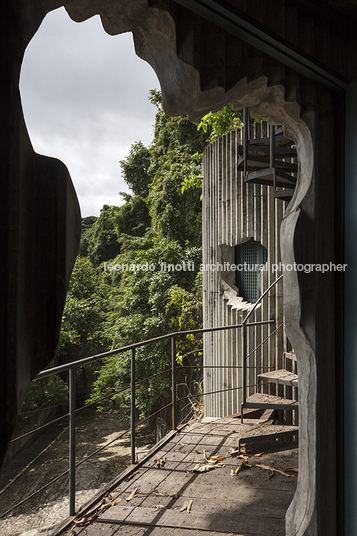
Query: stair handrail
245, 324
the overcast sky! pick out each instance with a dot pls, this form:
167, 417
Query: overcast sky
85, 99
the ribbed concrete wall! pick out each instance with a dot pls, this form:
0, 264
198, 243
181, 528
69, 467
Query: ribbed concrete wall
234, 212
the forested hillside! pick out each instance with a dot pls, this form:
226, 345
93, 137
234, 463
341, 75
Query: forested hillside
123, 288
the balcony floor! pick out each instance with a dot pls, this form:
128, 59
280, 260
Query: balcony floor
253, 502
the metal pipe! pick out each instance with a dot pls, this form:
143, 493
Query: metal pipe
259, 300
272, 153
97, 357
244, 370
132, 412
246, 138
173, 376
72, 441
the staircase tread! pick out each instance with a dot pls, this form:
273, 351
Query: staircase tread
285, 195
262, 398
280, 139
265, 176
284, 152
282, 376
255, 162
290, 355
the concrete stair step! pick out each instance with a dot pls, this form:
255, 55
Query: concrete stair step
264, 401
255, 163
290, 355
281, 377
284, 195
262, 150
266, 176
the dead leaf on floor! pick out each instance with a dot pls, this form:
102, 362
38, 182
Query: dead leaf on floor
199, 468
158, 506
272, 469
161, 462
235, 452
94, 512
157, 492
241, 466
132, 494
216, 458
203, 468
186, 506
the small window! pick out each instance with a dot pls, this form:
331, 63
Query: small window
250, 255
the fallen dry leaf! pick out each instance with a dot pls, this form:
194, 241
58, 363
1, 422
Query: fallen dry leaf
132, 494
235, 452
158, 506
241, 466
199, 468
186, 506
94, 512
161, 462
272, 469
154, 491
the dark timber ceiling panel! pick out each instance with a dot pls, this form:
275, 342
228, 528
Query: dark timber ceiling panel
321, 36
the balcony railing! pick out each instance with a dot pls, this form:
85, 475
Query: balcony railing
71, 368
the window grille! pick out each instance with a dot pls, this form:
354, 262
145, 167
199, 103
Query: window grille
250, 254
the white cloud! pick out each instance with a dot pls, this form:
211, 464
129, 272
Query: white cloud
85, 99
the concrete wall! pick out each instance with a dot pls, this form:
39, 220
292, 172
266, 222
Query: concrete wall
234, 212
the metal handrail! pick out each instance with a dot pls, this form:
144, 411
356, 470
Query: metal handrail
71, 367
245, 324
122, 349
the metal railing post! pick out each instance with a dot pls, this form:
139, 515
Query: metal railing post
244, 368
174, 396
246, 138
133, 409
72, 441
272, 153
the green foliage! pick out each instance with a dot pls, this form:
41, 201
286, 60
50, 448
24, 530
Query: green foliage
103, 243
48, 392
135, 169
133, 217
86, 235
84, 313
221, 122
146, 304
176, 156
